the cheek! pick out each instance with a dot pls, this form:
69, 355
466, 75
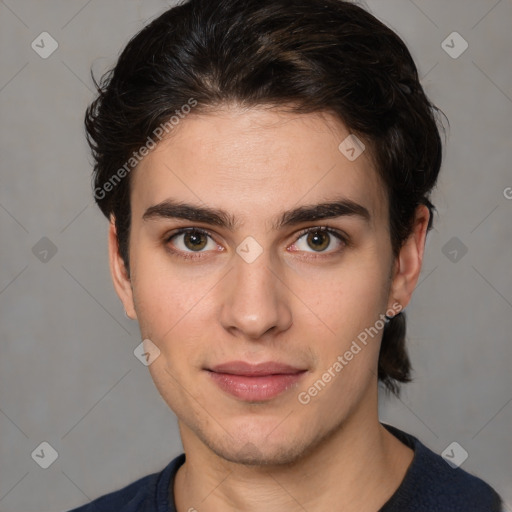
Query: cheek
165, 297
171, 314
349, 297
348, 338
348, 304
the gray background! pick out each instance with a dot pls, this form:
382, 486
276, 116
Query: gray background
68, 375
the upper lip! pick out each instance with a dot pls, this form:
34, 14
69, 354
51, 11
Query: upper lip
251, 370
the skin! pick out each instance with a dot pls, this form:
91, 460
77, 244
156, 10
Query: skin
293, 304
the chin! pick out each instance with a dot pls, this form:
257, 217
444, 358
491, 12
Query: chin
257, 449
250, 454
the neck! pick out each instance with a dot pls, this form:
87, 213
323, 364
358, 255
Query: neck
357, 467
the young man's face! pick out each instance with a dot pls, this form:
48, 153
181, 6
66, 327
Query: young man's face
208, 299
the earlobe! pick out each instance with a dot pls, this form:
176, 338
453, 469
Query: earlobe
409, 262
118, 271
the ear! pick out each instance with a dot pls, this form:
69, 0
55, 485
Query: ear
120, 277
409, 261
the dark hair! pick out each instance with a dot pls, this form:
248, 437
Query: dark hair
299, 55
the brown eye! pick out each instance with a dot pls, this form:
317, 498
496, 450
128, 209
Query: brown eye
191, 240
195, 240
322, 239
318, 240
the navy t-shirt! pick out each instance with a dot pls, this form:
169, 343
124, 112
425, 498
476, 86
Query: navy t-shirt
430, 485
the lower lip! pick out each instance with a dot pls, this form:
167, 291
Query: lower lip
257, 388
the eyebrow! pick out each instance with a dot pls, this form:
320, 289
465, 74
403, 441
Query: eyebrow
170, 209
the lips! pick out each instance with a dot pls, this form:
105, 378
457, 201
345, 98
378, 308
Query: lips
255, 382
249, 370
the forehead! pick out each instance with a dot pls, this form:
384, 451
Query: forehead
255, 162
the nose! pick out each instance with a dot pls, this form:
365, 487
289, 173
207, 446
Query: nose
255, 301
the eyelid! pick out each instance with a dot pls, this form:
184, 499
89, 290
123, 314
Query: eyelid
340, 235
332, 231
180, 231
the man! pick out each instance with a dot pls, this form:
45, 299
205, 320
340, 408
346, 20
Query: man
266, 167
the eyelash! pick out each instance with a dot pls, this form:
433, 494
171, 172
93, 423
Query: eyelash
197, 255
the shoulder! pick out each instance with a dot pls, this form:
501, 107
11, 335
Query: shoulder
147, 494
432, 484
128, 499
